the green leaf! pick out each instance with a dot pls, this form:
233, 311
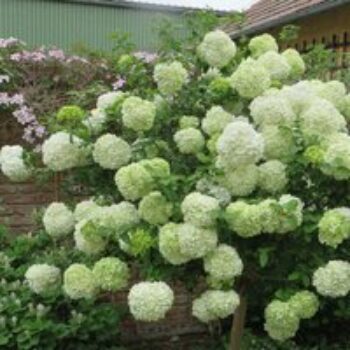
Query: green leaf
264, 256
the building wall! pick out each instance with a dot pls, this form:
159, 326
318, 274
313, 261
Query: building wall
331, 28
64, 24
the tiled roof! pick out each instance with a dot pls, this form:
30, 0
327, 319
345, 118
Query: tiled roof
266, 12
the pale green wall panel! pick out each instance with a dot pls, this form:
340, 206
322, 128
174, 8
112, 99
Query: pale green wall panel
63, 24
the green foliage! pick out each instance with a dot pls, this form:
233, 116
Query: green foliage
319, 61
276, 266
31, 322
122, 43
70, 115
140, 242
176, 40
288, 33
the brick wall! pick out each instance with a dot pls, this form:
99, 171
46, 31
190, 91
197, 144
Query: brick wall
178, 326
18, 202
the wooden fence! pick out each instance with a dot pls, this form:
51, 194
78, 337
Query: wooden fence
338, 44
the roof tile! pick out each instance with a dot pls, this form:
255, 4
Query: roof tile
267, 10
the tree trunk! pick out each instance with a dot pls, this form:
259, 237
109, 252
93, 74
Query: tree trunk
238, 324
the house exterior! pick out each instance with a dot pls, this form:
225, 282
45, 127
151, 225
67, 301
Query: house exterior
69, 23
320, 21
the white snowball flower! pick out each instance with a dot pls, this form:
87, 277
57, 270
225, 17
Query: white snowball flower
272, 176
150, 301
95, 121
242, 181
214, 190
223, 264
58, 220
62, 151
344, 107
170, 77
111, 152
188, 121
291, 213
111, 274
261, 44
244, 219
270, 216
79, 282
200, 210
216, 120
109, 99
196, 242
333, 91
215, 304
43, 278
299, 95
305, 304
279, 143
119, 218
138, 114
12, 163
320, 120
87, 209
155, 209
250, 79
272, 110
212, 73
189, 141
281, 321
334, 226
333, 280
217, 49
239, 145
276, 64
272, 91
336, 157
295, 62
88, 239
169, 245
134, 181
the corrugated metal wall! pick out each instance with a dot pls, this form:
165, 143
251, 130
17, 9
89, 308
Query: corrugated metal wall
49, 22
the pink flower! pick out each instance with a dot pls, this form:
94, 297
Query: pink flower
29, 56
77, 59
16, 57
36, 56
57, 54
147, 57
4, 98
17, 99
33, 131
119, 83
28, 134
24, 115
7, 100
39, 130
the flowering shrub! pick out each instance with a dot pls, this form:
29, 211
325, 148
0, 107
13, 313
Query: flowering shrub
35, 83
234, 192
34, 312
